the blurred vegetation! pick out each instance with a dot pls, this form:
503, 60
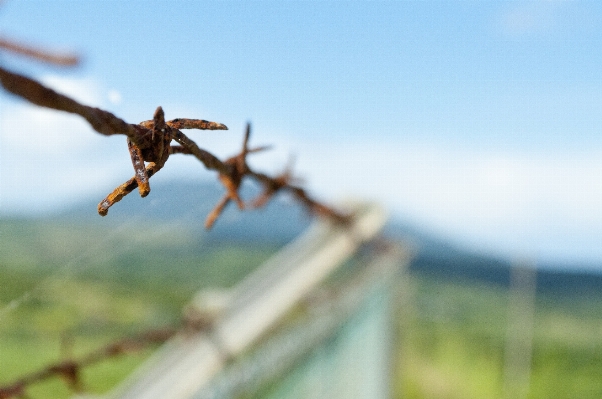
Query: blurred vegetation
77, 287
74, 293
453, 337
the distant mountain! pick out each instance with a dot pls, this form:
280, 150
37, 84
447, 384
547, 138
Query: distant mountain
438, 259
281, 221
277, 223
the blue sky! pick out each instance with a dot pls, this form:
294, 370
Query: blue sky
477, 121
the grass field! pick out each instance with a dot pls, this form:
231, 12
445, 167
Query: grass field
453, 339
68, 287
74, 293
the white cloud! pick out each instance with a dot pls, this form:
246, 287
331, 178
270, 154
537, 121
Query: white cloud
47, 157
529, 17
84, 90
114, 96
545, 18
545, 205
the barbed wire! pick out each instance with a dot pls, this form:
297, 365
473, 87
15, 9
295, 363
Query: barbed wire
65, 59
149, 145
70, 368
65, 368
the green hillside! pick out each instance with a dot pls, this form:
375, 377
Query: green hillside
87, 285
453, 337
74, 283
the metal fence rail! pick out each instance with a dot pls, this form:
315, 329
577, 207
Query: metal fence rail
349, 322
189, 361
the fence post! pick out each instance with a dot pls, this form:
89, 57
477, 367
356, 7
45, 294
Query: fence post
519, 339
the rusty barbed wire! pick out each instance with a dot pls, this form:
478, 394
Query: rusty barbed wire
149, 146
65, 59
70, 369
